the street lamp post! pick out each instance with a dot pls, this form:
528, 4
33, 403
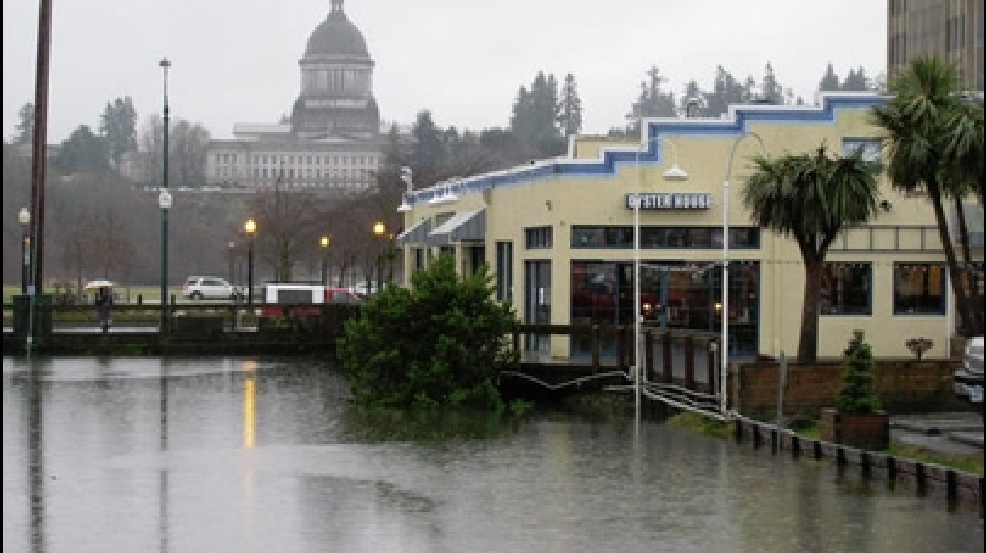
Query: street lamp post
250, 228
674, 173
724, 363
24, 218
232, 277
324, 242
164, 202
379, 229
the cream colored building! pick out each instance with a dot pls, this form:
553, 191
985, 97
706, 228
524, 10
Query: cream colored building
558, 235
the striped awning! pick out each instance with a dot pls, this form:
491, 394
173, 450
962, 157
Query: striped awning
417, 234
462, 227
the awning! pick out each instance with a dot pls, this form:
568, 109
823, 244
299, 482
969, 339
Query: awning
417, 234
463, 226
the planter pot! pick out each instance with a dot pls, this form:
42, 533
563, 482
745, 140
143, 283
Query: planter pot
869, 431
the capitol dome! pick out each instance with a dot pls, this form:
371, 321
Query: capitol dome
336, 37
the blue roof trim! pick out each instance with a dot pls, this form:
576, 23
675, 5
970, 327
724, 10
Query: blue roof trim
656, 130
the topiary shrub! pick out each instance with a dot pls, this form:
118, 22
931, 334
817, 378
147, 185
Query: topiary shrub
857, 394
440, 343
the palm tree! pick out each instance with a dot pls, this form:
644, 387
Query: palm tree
934, 140
812, 198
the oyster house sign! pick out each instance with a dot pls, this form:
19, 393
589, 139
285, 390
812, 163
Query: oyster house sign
670, 200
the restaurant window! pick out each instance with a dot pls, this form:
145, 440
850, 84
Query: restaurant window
846, 289
919, 289
538, 238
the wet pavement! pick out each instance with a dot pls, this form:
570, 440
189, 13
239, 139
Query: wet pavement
952, 433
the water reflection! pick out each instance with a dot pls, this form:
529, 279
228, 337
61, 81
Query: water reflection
35, 459
187, 455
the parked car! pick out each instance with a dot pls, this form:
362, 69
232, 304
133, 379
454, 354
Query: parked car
364, 289
209, 288
969, 378
341, 295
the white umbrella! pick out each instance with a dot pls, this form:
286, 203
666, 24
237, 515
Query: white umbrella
94, 284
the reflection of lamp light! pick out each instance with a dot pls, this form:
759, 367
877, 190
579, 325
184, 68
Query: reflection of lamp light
249, 413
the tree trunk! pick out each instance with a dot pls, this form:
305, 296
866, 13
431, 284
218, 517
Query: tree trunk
808, 340
972, 319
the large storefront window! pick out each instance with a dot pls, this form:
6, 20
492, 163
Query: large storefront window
919, 289
674, 294
846, 289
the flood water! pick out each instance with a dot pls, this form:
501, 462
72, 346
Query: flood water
252, 455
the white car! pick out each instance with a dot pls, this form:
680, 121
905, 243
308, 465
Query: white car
364, 289
209, 288
969, 379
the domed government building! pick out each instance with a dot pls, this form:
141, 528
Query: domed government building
332, 140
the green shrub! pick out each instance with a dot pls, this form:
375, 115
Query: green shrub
438, 344
857, 394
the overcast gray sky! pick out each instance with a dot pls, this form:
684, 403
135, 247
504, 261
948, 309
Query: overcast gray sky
464, 60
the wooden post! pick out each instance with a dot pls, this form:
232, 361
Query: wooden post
594, 346
689, 362
666, 350
649, 355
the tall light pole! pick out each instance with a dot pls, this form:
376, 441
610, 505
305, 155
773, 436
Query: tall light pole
673, 173
379, 229
232, 277
724, 363
24, 218
164, 202
250, 228
324, 242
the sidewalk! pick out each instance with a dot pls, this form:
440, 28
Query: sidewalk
956, 433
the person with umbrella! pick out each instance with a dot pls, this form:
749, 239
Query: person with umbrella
104, 303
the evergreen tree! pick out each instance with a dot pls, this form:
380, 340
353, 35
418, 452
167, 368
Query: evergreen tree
118, 127
437, 345
652, 101
24, 130
857, 81
428, 151
570, 117
830, 81
535, 119
726, 90
82, 152
771, 91
695, 97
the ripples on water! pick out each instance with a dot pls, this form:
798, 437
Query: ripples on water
245, 455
